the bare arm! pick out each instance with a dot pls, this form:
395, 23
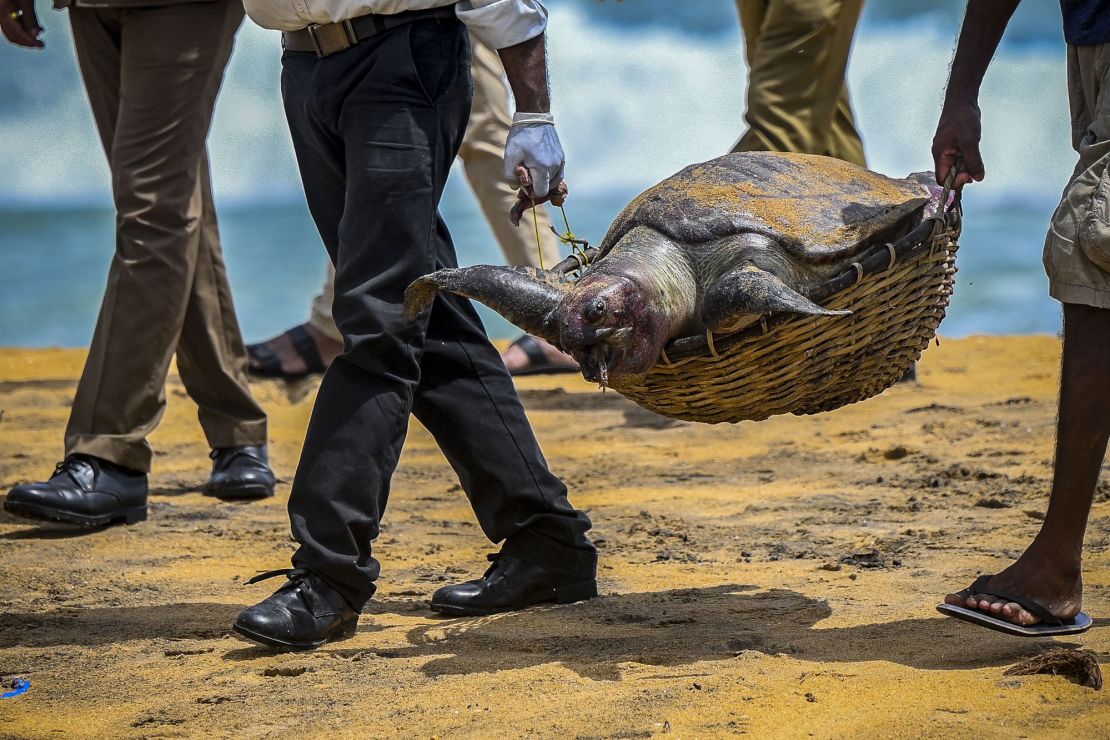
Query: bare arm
960, 126
533, 154
526, 67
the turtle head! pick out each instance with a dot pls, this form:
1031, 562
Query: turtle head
612, 328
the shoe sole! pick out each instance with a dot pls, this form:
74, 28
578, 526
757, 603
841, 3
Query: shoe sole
252, 491
34, 511
1080, 623
569, 594
345, 632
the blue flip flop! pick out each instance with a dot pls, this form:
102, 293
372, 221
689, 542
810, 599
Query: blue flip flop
1049, 626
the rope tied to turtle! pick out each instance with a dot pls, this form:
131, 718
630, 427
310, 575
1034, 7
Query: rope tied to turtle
578, 247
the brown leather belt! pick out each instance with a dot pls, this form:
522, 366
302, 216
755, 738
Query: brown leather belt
328, 38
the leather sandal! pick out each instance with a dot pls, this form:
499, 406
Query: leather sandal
265, 363
538, 364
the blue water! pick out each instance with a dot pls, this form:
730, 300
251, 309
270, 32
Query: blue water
641, 88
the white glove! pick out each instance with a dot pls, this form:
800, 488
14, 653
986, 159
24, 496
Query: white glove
533, 143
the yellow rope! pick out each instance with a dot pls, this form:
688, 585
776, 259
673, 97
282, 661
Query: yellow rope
536, 223
568, 237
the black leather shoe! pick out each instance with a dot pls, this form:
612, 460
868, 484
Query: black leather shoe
84, 490
510, 584
241, 472
303, 614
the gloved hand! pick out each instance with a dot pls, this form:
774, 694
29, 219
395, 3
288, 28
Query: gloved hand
533, 155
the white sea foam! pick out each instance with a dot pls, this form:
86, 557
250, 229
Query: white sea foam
633, 106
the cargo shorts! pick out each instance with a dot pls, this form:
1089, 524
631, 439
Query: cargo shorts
1077, 248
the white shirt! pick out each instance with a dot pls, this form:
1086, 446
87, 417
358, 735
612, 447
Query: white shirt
497, 23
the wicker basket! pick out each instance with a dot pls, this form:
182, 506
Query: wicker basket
897, 293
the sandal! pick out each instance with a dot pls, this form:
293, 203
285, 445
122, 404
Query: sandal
1049, 626
265, 363
538, 364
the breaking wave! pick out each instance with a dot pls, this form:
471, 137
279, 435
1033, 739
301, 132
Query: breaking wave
642, 88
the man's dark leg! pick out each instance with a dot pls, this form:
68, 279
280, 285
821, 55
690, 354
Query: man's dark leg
467, 400
384, 121
1049, 571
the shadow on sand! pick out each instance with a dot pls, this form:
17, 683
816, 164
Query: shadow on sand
675, 628
667, 628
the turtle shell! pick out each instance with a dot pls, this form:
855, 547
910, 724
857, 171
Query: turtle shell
821, 210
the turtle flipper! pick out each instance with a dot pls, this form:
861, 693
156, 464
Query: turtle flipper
749, 290
525, 296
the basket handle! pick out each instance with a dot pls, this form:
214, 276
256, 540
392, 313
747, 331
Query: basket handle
950, 186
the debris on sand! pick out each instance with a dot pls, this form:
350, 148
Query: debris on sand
865, 559
286, 671
1080, 666
992, 503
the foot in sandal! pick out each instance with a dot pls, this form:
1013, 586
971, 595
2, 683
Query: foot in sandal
295, 353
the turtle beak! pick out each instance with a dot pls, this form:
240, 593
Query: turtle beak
597, 363
599, 360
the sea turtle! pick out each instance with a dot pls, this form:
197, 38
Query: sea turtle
716, 246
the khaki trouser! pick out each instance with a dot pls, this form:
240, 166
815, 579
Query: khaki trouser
1077, 248
152, 75
482, 154
797, 54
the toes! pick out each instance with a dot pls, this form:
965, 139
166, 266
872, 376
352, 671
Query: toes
959, 599
1017, 614
978, 602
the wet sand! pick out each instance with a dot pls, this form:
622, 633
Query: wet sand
776, 578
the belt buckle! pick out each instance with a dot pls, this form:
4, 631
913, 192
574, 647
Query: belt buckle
328, 38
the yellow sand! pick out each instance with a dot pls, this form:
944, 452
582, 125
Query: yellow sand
726, 607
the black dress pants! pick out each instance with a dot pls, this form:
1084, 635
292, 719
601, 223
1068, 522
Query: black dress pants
375, 129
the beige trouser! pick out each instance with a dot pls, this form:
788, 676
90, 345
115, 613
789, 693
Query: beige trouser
482, 154
1077, 248
797, 54
152, 75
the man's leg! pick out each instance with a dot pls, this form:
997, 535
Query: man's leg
172, 58
1049, 571
210, 354
468, 402
374, 150
86, 490
797, 67
152, 75
844, 139
365, 132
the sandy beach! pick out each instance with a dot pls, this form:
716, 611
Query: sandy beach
775, 578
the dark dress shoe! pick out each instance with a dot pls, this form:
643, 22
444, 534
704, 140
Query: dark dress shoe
84, 490
303, 614
241, 472
510, 584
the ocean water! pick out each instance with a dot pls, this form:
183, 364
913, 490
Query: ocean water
641, 87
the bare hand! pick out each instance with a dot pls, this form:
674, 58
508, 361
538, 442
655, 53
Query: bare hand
19, 24
958, 134
526, 200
